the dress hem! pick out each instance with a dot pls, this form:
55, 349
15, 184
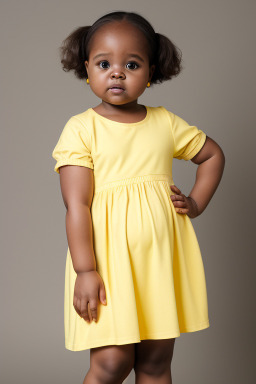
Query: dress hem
121, 341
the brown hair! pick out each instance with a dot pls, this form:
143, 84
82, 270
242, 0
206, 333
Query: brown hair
163, 52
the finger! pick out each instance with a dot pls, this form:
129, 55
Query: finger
175, 188
89, 312
178, 197
77, 308
84, 310
180, 204
75, 304
102, 293
93, 309
74, 301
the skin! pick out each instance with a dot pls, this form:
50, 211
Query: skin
119, 40
150, 359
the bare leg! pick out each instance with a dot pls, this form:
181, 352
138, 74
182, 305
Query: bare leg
153, 361
110, 364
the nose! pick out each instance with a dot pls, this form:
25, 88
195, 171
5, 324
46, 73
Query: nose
117, 75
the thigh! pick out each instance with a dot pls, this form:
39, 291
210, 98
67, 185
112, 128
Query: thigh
155, 354
113, 360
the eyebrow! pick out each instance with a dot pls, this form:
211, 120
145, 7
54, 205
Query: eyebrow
128, 54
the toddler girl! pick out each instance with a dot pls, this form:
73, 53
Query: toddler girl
133, 262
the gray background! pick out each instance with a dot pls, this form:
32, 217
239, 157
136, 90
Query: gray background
215, 91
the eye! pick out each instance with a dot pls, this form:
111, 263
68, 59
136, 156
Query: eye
133, 64
103, 66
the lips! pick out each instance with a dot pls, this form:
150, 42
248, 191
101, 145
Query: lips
116, 86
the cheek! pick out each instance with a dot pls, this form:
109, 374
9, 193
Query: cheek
138, 77
143, 76
139, 82
95, 73
98, 78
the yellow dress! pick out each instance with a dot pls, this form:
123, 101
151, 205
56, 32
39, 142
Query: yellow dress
146, 253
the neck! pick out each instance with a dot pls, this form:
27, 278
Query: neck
113, 108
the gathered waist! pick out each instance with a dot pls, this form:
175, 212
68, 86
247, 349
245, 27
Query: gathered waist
134, 180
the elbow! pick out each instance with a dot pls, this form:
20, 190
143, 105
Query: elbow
219, 159
217, 152
221, 156
77, 205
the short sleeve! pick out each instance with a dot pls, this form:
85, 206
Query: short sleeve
188, 139
73, 146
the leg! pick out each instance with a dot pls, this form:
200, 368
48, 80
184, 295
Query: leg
153, 361
110, 364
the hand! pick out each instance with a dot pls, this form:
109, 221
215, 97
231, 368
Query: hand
88, 287
184, 204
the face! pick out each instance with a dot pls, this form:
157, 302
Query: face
118, 57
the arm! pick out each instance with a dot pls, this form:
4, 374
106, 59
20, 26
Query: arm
211, 162
77, 192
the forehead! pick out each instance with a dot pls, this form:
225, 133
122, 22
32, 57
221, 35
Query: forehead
118, 37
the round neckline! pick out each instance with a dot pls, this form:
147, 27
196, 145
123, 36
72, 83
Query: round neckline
122, 123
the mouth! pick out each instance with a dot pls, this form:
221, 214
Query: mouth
116, 89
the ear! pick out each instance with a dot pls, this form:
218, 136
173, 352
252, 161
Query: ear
86, 65
151, 71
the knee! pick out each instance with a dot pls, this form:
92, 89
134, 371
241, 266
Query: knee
154, 363
152, 368
115, 365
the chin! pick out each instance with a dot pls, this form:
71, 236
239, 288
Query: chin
116, 102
